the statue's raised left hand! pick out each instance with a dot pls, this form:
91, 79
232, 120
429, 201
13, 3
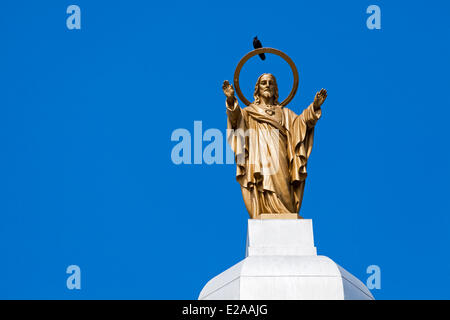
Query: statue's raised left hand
229, 92
228, 89
319, 99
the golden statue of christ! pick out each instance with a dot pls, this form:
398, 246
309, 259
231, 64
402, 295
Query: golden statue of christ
272, 145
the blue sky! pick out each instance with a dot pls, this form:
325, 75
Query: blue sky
86, 118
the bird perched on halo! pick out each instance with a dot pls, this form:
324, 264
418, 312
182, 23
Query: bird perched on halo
257, 44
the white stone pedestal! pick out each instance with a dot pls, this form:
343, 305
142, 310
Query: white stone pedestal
281, 263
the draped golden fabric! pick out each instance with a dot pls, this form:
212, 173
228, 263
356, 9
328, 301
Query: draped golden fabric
271, 152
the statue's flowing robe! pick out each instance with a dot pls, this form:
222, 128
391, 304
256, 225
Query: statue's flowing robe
271, 154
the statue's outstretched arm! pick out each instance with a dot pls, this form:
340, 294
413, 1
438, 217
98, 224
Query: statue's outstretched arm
311, 114
234, 112
319, 99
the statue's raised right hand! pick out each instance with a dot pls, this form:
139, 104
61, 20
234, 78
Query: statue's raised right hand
228, 89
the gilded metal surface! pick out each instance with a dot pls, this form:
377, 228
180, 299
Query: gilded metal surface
272, 145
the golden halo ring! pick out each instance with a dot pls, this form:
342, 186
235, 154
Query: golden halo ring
259, 51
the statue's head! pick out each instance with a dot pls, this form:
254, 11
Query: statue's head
266, 86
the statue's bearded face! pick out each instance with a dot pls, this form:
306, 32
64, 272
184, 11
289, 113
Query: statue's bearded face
267, 86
